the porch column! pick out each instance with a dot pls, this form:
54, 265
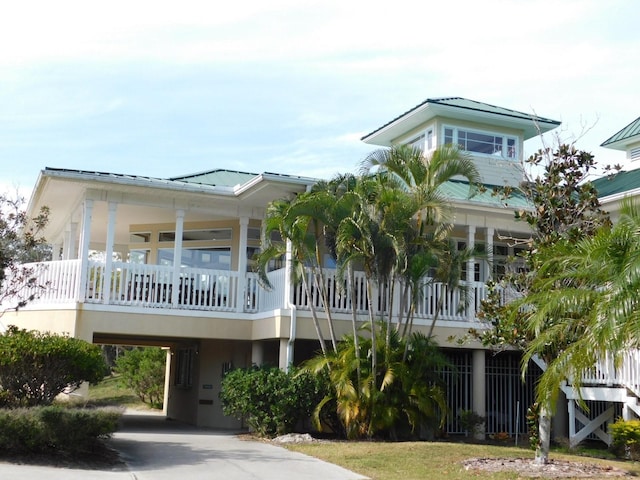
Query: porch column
241, 301
167, 383
479, 402
257, 353
572, 420
177, 257
283, 356
85, 239
55, 251
471, 309
489, 251
70, 242
108, 263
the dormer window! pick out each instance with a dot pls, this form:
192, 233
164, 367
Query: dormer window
417, 142
483, 143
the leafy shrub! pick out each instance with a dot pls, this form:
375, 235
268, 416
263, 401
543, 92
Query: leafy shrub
626, 438
78, 426
470, 421
54, 428
35, 367
268, 399
143, 371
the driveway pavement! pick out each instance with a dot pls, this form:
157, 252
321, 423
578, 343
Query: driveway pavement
155, 449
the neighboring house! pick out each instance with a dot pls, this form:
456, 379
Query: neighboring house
176, 269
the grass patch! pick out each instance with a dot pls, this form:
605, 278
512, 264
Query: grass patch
111, 392
426, 460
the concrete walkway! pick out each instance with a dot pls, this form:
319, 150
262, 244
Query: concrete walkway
155, 449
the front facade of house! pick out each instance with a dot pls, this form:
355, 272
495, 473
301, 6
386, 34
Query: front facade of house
168, 262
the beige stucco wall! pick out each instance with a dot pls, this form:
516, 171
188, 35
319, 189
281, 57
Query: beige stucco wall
213, 357
55, 320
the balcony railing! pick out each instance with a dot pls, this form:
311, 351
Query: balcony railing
626, 374
158, 286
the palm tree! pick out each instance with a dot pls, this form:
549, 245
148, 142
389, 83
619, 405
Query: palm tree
406, 168
409, 397
296, 231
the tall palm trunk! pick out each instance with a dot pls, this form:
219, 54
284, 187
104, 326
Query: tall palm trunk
439, 306
374, 360
354, 319
544, 435
314, 314
322, 288
404, 296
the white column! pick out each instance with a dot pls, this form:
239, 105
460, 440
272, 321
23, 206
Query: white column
257, 353
83, 253
55, 251
167, 384
241, 301
489, 251
572, 420
108, 267
471, 309
479, 387
70, 242
283, 356
177, 257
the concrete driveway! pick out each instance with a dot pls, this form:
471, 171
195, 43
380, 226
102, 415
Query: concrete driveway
155, 449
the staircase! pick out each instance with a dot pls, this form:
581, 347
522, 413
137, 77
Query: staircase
604, 383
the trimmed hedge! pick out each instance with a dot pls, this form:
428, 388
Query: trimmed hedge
271, 401
55, 428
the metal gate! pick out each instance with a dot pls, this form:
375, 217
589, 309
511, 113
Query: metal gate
508, 394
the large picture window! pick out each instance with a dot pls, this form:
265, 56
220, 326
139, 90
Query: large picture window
485, 143
211, 258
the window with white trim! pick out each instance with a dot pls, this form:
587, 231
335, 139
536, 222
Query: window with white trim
417, 142
484, 143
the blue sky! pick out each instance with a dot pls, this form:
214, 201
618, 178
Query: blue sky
290, 86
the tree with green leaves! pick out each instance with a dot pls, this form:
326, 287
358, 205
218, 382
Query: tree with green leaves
143, 371
565, 210
21, 242
36, 367
592, 285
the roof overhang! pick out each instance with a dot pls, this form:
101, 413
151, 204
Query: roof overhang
387, 135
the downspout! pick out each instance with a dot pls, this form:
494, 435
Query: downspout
292, 334
289, 304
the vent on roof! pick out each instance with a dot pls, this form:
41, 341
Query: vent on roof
634, 154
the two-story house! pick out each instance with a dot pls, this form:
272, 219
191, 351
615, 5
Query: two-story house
140, 260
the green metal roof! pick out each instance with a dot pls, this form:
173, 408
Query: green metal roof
464, 103
628, 132
218, 177
455, 190
472, 107
618, 183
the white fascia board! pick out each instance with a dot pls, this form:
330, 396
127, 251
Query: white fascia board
302, 181
140, 182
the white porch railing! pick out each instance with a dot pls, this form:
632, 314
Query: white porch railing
158, 286
626, 375
139, 285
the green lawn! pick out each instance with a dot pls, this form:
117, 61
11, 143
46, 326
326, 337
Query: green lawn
110, 392
427, 460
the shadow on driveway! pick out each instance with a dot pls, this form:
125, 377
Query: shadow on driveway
156, 448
